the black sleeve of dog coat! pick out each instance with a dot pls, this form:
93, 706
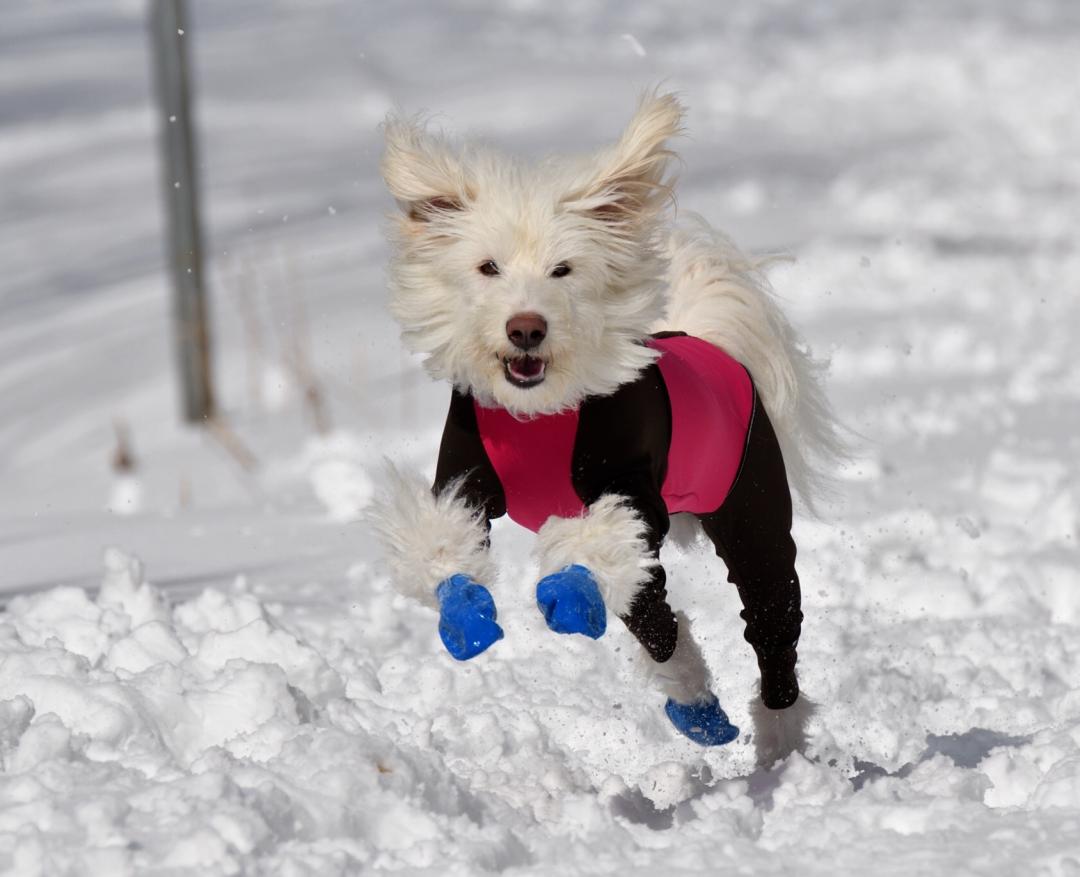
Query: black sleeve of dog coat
621, 448
462, 458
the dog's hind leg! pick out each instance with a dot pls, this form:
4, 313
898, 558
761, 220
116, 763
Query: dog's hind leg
692, 707
778, 733
611, 547
684, 677
751, 531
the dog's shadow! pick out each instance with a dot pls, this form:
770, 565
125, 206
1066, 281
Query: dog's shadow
966, 750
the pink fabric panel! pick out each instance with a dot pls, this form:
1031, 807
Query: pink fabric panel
532, 459
711, 402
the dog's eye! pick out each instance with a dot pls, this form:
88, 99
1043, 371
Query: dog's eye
560, 270
488, 268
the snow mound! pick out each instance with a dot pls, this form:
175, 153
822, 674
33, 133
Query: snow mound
208, 736
195, 736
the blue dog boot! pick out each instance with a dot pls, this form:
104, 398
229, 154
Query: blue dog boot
466, 617
571, 602
704, 722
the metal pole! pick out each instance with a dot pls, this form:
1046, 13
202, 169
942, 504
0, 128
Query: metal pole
191, 316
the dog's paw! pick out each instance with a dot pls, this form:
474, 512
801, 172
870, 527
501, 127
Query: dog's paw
703, 722
467, 616
571, 602
778, 733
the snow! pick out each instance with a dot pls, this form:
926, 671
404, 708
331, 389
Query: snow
203, 667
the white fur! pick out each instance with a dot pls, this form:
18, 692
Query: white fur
778, 733
428, 538
684, 677
718, 293
465, 206
609, 540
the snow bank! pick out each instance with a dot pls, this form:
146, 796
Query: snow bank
202, 736
207, 735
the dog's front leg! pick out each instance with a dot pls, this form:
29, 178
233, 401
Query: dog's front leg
609, 557
436, 550
603, 559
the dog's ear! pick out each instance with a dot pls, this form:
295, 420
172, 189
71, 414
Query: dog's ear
629, 180
422, 171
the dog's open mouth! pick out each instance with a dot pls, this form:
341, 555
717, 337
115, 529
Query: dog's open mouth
524, 371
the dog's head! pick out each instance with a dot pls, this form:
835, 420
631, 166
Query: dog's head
531, 286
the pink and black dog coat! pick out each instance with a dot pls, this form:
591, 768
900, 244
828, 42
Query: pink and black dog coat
689, 435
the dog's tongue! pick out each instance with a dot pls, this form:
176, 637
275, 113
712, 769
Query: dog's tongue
526, 367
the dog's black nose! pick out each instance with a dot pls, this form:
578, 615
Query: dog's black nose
526, 331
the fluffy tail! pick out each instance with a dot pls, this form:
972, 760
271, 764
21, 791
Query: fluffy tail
718, 293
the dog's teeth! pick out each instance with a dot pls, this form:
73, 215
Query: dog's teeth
525, 370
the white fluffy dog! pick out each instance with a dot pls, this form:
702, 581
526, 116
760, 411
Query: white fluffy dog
609, 370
